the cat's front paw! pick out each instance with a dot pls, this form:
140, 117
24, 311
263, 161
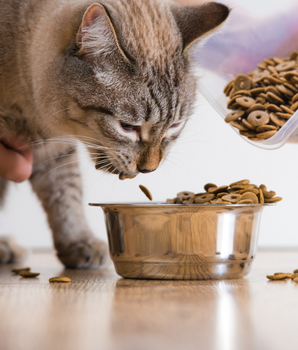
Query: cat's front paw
11, 251
88, 253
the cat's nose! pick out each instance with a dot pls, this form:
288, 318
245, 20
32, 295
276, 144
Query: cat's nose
146, 171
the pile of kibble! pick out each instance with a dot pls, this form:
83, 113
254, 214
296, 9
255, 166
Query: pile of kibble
265, 99
240, 192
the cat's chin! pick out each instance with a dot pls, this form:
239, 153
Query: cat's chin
101, 164
123, 176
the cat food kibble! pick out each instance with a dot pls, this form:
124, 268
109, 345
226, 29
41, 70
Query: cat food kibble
146, 191
28, 274
240, 192
60, 280
264, 100
278, 276
17, 271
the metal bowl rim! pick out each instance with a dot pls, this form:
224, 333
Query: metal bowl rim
161, 204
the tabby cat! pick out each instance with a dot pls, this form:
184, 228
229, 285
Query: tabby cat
116, 75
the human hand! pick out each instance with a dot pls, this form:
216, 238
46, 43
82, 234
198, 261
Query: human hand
15, 159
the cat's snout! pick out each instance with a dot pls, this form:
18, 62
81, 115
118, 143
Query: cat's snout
145, 171
149, 159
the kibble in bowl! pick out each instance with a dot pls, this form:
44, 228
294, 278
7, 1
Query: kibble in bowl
240, 192
195, 239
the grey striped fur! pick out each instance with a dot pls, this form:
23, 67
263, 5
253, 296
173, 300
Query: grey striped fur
61, 77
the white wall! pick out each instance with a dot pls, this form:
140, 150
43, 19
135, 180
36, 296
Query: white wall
208, 151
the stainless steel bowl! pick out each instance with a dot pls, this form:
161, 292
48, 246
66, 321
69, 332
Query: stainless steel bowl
190, 242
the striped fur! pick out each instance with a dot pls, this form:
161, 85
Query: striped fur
70, 69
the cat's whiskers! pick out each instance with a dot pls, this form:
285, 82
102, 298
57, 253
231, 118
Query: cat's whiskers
100, 163
185, 155
76, 174
57, 157
112, 158
165, 166
169, 160
91, 186
58, 167
89, 171
106, 170
67, 179
113, 178
81, 179
70, 139
105, 183
110, 164
115, 169
187, 164
71, 142
107, 156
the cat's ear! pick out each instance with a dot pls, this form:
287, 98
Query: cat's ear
196, 22
96, 35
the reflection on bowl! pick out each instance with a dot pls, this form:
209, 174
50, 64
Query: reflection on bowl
191, 242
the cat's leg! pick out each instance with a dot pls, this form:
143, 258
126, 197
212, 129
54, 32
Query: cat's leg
61, 195
10, 250
3, 190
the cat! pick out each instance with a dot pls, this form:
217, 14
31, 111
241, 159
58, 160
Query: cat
116, 75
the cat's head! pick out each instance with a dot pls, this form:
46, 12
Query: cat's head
130, 80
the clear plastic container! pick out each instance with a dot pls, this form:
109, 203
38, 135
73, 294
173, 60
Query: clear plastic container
252, 34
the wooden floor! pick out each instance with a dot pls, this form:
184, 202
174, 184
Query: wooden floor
99, 310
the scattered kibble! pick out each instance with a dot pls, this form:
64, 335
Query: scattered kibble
278, 276
27, 274
62, 279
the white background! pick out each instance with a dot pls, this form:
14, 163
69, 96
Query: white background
208, 151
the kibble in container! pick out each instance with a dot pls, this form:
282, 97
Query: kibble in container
268, 29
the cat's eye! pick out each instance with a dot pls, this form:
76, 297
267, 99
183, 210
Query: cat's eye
127, 127
175, 125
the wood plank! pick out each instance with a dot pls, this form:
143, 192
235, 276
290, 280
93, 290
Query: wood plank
99, 310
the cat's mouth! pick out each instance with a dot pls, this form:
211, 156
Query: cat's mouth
123, 176
103, 163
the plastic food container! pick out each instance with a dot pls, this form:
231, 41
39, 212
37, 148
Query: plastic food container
256, 30
187, 242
